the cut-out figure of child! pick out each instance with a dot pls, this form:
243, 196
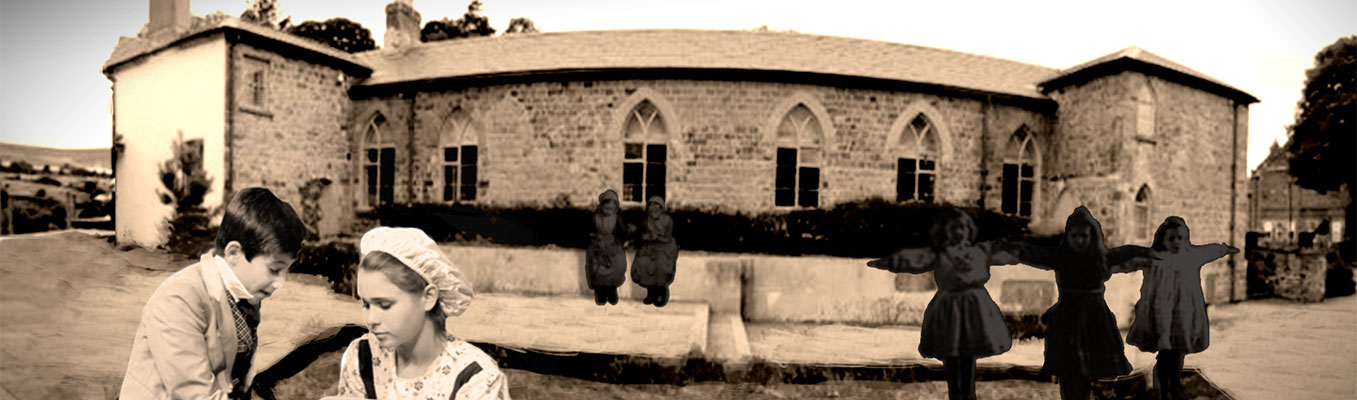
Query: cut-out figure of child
1082, 341
657, 259
962, 322
605, 262
1171, 313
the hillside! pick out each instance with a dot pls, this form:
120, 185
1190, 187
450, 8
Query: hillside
95, 158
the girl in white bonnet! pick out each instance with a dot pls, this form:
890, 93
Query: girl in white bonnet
409, 288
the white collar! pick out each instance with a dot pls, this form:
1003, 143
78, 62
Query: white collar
232, 283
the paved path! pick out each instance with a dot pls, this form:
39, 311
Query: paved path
1276, 349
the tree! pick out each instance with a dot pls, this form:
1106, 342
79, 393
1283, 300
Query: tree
265, 12
1321, 144
472, 24
185, 186
339, 33
521, 25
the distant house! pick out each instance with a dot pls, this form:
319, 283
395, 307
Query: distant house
735, 121
1285, 213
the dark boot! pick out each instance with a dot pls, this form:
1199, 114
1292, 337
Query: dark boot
949, 369
612, 296
650, 296
663, 298
599, 297
966, 378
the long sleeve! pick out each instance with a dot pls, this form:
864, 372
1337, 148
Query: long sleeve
1030, 254
1208, 253
914, 261
175, 331
997, 254
1129, 258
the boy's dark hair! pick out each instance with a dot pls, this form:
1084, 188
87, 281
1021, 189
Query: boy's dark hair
261, 223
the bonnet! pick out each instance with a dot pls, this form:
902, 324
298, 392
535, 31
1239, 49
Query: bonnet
420, 253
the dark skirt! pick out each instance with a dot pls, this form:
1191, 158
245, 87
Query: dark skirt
1082, 338
963, 323
605, 263
655, 264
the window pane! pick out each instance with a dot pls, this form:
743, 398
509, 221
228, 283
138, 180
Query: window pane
372, 156
387, 170
926, 187
786, 157
656, 153
1025, 192
786, 177
469, 155
632, 181
904, 179
449, 154
372, 180
810, 156
1026, 209
809, 195
654, 178
634, 151
468, 182
1027, 171
928, 165
785, 197
1010, 189
449, 182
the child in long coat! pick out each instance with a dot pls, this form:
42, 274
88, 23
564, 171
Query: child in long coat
657, 259
962, 322
1082, 341
605, 262
1171, 313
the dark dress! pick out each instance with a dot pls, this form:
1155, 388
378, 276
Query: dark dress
1171, 312
605, 262
962, 319
1081, 331
658, 257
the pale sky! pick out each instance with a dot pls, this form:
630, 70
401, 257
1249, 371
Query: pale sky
53, 93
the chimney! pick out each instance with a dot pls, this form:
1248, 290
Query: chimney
170, 16
402, 25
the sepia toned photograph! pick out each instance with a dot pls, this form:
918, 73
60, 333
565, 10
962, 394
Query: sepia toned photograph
648, 199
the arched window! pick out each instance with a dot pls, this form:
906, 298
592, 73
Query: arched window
917, 170
799, 139
1140, 217
643, 170
1145, 112
460, 155
379, 163
1020, 175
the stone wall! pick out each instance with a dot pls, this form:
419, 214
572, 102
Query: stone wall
1119, 133
556, 142
297, 141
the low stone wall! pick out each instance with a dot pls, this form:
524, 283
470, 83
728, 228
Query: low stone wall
777, 289
1290, 274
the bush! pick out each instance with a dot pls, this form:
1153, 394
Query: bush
868, 228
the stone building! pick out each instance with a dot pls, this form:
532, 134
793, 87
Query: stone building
1284, 212
727, 121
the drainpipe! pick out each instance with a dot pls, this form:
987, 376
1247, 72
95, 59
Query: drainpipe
227, 152
984, 149
1234, 198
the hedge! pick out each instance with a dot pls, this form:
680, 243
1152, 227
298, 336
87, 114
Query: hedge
868, 228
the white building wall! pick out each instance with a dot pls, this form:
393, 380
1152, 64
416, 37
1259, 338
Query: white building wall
182, 88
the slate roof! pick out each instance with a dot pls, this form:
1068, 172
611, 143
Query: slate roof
131, 48
1137, 58
703, 49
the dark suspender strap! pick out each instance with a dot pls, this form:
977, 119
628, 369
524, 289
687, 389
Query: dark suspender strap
463, 377
365, 369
